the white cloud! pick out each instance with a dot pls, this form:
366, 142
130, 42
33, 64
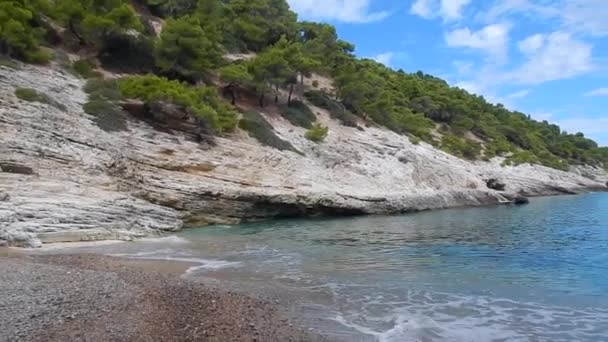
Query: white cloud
423, 8
452, 9
554, 57
518, 94
502, 8
492, 39
531, 44
580, 16
447, 9
587, 16
350, 11
598, 92
463, 68
385, 58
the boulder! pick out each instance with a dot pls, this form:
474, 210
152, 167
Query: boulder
495, 184
521, 200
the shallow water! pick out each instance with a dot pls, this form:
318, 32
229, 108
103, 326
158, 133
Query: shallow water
531, 273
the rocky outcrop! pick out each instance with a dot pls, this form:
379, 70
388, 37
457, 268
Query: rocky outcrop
495, 184
69, 180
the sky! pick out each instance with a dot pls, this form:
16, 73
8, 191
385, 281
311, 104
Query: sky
546, 58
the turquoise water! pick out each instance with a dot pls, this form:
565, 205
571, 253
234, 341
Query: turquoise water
531, 273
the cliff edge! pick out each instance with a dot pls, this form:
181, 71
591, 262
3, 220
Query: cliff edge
62, 178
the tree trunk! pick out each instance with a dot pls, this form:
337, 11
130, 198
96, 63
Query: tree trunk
276, 95
290, 93
81, 40
261, 100
232, 92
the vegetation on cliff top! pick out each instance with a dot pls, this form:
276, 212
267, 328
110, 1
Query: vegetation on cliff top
188, 58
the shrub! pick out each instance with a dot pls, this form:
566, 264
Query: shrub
460, 147
415, 140
31, 95
336, 109
108, 116
520, 157
315, 84
203, 102
317, 133
259, 129
298, 114
85, 69
9, 63
99, 89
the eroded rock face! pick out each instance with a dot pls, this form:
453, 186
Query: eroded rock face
89, 184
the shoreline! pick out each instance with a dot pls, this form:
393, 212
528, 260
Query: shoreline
89, 237
102, 298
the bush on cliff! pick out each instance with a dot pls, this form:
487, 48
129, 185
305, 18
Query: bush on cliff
31, 95
259, 129
204, 102
298, 114
336, 110
317, 133
108, 116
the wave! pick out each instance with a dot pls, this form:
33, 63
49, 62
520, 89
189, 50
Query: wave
431, 316
165, 239
170, 255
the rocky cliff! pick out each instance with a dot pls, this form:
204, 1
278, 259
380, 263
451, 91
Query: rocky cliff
62, 178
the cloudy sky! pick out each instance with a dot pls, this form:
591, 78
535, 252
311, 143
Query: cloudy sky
547, 58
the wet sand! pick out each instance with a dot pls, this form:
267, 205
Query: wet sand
99, 298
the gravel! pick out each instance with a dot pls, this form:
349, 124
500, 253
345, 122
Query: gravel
98, 298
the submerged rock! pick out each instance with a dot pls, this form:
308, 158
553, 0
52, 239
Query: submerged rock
521, 200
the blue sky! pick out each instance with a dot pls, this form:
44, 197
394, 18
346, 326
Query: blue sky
546, 58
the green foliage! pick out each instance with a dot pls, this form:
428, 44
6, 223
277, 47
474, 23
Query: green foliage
235, 76
31, 95
521, 157
460, 147
336, 109
9, 63
85, 68
202, 102
108, 116
259, 129
93, 21
20, 30
298, 114
248, 25
415, 140
187, 51
317, 133
100, 89
171, 8
275, 66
